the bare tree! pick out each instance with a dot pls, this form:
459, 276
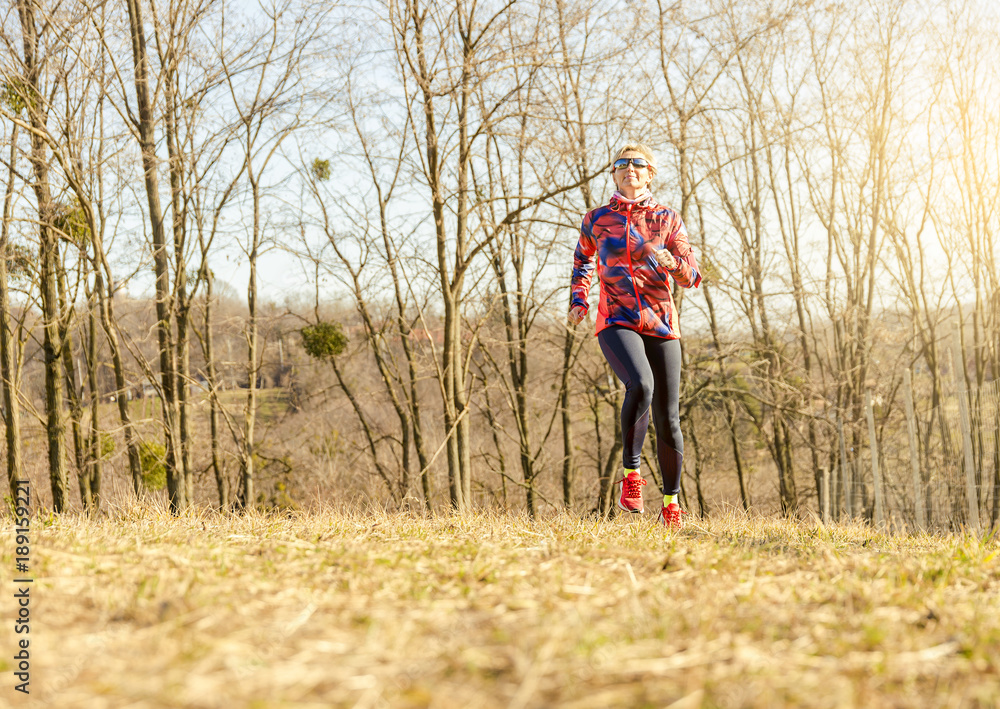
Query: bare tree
270, 101
8, 366
37, 97
741, 183
145, 124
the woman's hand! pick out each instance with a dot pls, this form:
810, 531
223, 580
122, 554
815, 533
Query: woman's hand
666, 259
576, 314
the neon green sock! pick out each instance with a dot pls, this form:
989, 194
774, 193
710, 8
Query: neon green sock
669, 500
630, 470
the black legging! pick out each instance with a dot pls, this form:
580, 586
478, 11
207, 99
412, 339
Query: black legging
650, 369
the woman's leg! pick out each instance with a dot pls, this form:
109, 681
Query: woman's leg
664, 357
625, 352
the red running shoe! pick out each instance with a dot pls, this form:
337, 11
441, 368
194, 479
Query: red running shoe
630, 498
670, 516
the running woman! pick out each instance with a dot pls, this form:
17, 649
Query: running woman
639, 247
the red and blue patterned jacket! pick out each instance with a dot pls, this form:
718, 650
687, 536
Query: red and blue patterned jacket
635, 289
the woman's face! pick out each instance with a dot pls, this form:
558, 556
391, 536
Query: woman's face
632, 180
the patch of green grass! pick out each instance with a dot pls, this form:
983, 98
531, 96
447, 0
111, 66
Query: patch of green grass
272, 404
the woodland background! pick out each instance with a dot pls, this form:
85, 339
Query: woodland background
296, 252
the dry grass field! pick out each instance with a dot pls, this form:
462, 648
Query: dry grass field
368, 609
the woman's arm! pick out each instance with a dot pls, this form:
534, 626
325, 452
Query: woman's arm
583, 269
678, 258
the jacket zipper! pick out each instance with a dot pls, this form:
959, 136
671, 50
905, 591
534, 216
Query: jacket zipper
628, 254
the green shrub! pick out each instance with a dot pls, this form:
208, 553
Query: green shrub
151, 460
324, 340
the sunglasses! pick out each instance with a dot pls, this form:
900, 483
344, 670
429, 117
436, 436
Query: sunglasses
623, 163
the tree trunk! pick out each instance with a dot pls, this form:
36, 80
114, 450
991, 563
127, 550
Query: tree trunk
176, 485
94, 458
250, 413
731, 419
48, 256
106, 301
183, 309
80, 447
213, 384
613, 461
565, 404
8, 366
702, 505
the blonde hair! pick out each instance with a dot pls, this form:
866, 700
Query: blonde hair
643, 150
